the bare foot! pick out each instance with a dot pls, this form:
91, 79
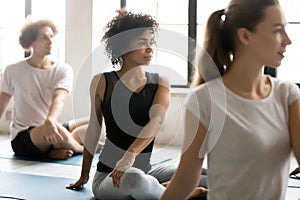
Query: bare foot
60, 154
165, 184
199, 192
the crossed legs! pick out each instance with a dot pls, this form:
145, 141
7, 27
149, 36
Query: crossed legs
70, 141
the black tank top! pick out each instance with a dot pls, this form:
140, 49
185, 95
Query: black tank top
125, 114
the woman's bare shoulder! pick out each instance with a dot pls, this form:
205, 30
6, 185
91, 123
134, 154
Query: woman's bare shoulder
98, 84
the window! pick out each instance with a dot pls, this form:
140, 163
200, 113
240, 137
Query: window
173, 19
204, 9
10, 23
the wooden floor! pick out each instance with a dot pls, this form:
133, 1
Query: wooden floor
73, 172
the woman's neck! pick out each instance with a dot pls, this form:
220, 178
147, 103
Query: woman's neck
247, 82
133, 78
129, 73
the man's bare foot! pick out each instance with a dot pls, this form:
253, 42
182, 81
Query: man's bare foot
60, 154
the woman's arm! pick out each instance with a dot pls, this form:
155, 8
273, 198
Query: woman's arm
93, 131
294, 125
188, 173
157, 114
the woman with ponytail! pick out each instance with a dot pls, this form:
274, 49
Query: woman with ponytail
245, 122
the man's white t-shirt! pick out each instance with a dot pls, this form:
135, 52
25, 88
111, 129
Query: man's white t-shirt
32, 90
248, 141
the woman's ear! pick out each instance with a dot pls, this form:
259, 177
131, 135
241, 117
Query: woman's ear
243, 35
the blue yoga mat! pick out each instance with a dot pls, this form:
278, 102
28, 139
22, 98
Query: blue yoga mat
34, 187
294, 182
7, 153
160, 156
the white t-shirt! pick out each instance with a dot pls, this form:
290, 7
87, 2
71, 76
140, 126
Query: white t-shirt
32, 90
248, 142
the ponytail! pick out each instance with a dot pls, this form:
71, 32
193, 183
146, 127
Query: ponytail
216, 43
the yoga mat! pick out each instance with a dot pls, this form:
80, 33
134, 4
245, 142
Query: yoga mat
160, 155
34, 187
294, 182
7, 153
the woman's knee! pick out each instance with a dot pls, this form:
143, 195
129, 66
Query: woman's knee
132, 178
141, 185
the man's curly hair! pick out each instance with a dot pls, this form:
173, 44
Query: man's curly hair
125, 21
30, 31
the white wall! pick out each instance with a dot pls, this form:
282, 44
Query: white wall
78, 47
172, 132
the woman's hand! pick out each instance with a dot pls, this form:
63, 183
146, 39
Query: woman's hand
78, 184
122, 165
